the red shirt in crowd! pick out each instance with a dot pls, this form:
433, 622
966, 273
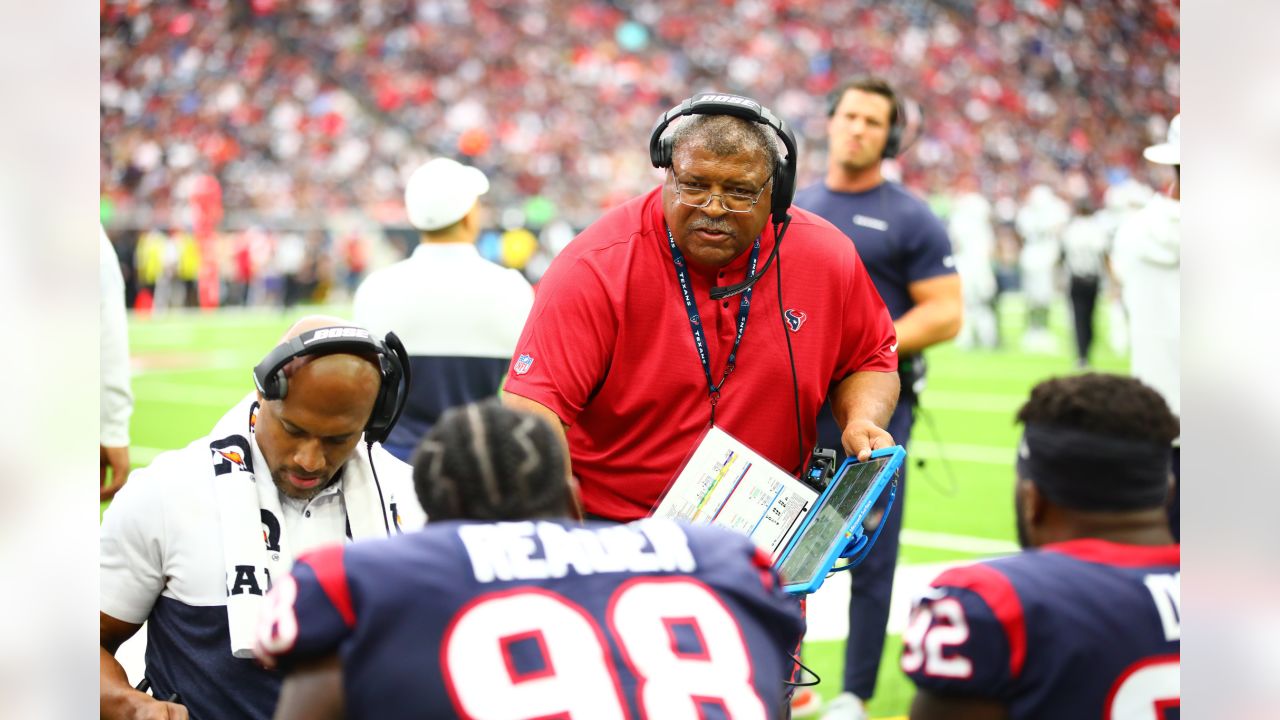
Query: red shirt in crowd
608, 347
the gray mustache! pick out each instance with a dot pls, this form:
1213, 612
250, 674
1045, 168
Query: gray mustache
711, 225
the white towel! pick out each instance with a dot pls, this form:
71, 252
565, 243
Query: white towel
252, 563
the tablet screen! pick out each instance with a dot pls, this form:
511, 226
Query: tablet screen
826, 529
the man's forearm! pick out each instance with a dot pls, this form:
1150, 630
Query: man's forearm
115, 694
866, 395
926, 325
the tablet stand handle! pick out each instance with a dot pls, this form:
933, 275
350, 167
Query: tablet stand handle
860, 547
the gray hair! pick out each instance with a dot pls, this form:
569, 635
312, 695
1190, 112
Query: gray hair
726, 135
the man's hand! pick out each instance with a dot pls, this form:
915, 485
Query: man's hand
117, 459
860, 437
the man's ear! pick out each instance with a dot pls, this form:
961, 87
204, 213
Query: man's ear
472, 219
1031, 504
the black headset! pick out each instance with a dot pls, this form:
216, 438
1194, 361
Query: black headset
897, 118
393, 367
784, 176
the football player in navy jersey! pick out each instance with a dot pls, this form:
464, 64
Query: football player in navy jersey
504, 607
1085, 622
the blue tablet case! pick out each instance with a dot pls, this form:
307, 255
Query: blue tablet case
824, 537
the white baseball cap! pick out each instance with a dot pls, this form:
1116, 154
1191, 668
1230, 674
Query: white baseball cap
1167, 152
441, 192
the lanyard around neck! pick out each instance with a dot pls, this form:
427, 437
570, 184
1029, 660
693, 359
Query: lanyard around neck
695, 320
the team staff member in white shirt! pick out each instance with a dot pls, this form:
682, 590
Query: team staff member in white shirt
1148, 262
458, 314
116, 398
194, 540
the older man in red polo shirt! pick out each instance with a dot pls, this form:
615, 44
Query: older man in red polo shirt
627, 351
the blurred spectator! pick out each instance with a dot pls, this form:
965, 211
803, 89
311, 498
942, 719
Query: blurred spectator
973, 241
289, 259
1121, 201
298, 109
1040, 223
1084, 250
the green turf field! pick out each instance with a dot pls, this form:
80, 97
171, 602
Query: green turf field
189, 368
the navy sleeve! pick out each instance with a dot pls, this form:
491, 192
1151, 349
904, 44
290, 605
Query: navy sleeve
966, 635
928, 247
309, 613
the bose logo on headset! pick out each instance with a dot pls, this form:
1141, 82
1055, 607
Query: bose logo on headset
390, 357
731, 99
337, 332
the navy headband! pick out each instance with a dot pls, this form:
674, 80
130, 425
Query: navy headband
1094, 472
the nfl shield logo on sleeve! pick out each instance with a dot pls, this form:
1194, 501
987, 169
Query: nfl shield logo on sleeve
522, 364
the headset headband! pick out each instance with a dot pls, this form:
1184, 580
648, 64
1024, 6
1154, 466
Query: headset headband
392, 360
784, 178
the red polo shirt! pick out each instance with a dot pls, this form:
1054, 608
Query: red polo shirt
609, 349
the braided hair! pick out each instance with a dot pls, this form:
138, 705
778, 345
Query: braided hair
485, 461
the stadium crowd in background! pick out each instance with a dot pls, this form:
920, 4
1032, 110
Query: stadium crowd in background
297, 115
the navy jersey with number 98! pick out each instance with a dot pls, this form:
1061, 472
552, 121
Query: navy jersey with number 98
544, 619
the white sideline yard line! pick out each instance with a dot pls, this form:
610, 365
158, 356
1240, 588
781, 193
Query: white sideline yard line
957, 543
171, 392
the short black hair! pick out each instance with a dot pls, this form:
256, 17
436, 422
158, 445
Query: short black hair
1115, 405
870, 84
486, 461
726, 135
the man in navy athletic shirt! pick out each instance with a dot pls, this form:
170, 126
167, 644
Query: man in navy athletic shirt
505, 607
1086, 621
907, 253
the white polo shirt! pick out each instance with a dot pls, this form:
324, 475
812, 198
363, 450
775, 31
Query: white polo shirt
459, 317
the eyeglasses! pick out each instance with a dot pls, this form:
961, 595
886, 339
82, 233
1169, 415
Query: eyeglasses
699, 196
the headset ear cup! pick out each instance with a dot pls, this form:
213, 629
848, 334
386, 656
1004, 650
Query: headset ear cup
665, 146
393, 394
277, 386
893, 144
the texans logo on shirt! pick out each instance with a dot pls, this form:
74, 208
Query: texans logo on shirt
795, 318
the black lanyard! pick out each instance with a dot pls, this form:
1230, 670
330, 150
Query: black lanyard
695, 321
